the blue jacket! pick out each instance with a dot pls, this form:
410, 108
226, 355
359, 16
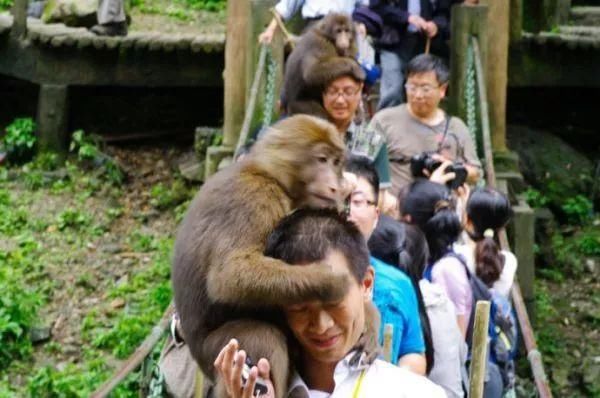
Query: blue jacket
396, 300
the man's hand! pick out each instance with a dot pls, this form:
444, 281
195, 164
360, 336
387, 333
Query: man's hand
439, 175
266, 37
417, 22
229, 365
430, 29
388, 204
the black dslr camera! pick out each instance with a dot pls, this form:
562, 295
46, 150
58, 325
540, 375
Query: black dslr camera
425, 161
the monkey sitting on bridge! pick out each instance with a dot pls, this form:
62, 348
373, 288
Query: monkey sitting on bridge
325, 51
224, 287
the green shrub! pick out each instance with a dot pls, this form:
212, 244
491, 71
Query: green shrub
72, 218
5, 4
535, 198
163, 197
578, 209
90, 156
208, 5
18, 308
19, 141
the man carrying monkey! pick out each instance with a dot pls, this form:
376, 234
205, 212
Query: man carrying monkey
330, 362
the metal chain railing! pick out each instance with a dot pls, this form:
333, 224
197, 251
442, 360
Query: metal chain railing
269, 101
471, 95
478, 121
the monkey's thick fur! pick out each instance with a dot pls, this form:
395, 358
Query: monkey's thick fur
224, 286
315, 62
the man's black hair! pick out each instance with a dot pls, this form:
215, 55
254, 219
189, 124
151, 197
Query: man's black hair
428, 63
308, 235
364, 167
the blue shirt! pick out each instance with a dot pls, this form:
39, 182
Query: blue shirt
396, 300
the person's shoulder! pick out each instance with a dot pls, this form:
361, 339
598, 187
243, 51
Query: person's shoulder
510, 260
448, 262
389, 377
390, 113
387, 271
459, 127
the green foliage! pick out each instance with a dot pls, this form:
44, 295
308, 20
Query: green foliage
182, 10
46, 161
208, 5
90, 156
140, 242
589, 244
72, 218
535, 198
578, 209
19, 141
5, 4
548, 338
147, 295
163, 197
18, 306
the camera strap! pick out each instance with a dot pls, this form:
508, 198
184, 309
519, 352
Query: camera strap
445, 133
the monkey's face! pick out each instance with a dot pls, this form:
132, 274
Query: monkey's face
339, 29
322, 177
327, 331
343, 39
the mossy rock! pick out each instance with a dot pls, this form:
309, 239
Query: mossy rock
77, 13
71, 12
551, 165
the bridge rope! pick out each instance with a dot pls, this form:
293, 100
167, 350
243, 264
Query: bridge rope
265, 52
476, 78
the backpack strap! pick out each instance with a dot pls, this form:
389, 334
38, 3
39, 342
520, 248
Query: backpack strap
479, 291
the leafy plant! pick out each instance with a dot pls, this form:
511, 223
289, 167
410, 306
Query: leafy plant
578, 209
208, 5
19, 141
89, 154
71, 218
535, 198
18, 308
5, 4
163, 197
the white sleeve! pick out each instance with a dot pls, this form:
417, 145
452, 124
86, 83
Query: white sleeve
287, 8
507, 276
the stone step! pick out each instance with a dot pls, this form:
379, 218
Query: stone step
585, 15
559, 39
593, 31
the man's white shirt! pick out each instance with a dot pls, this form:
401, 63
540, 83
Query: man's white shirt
381, 379
316, 8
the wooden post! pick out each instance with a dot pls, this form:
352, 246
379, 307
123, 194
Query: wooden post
523, 243
497, 69
238, 12
466, 21
479, 351
52, 118
19, 11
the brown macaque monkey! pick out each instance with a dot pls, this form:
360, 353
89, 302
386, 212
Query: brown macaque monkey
326, 51
224, 287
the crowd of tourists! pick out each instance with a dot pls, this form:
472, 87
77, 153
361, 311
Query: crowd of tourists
419, 238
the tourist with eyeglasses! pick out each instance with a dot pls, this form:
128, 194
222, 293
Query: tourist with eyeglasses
420, 125
393, 292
